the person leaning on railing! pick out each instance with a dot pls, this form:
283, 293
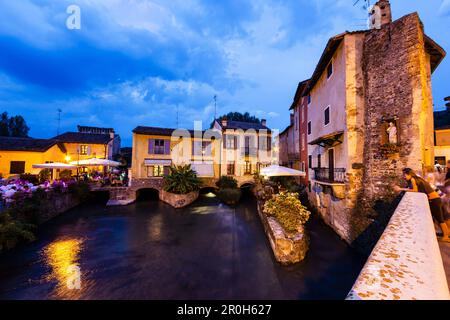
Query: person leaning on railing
418, 184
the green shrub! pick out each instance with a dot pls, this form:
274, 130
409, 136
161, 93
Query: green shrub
81, 190
31, 178
227, 182
181, 180
65, 175
229, 196
287, 209
13, 231
45, 175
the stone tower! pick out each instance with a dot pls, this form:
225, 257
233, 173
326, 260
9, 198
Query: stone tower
380, 14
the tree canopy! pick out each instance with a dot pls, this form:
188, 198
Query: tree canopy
14, 126
237, 116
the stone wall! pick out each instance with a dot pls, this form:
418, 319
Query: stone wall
57, 204
394, 70
286, 249
178, 200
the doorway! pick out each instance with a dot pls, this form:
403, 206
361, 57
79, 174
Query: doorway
331, 164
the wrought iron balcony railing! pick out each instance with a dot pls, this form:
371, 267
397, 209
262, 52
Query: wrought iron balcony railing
336, 175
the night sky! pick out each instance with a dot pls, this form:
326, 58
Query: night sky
134, 62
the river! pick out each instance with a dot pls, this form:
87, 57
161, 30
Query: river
150, 251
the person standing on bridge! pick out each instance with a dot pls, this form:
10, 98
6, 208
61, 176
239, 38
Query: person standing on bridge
418, 184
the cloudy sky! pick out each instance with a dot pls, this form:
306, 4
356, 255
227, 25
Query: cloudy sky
135, 62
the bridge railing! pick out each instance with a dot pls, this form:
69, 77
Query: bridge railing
406, 263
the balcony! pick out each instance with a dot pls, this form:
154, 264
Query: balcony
249, 152
331, 176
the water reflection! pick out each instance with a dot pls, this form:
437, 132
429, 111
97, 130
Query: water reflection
63, 256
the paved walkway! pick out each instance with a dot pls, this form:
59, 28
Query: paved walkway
445, 250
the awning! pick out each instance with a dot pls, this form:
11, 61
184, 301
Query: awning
151, 162
54, 165
279, 171
95, 162
329, 140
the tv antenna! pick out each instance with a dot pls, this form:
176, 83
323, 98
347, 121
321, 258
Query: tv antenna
366, 3
59, 121
215, 107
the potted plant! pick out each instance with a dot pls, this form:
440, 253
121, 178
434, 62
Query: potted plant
181, 186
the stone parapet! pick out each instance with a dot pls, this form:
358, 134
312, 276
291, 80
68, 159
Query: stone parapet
406, 263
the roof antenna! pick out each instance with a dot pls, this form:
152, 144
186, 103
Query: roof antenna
215, 107
59, 121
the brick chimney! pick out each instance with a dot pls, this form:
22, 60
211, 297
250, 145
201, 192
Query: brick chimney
224, 122
383, 9
264, 122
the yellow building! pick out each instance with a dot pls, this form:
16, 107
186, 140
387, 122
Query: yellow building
231, 148
81, 146
18, 155
442, 137
155, 150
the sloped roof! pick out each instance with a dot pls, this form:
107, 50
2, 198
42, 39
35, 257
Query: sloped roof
157, 131
299, 93
88, 138
28, 144
236, 125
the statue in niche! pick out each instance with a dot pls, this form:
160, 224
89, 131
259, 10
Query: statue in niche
392, 133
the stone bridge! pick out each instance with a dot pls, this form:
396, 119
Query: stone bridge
120, 196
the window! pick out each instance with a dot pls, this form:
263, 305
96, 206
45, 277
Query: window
327, 116
83, 150
248, 167
309, 99
159, 146
296, 122
309, 128
319, 161
17, 167
230, 142
230, 168
303, 166
309, 161
158, 171
330, 70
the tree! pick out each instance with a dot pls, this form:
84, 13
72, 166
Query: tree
13, 126
237, 116
4, 125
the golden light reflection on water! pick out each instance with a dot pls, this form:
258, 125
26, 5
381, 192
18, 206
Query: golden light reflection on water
62, 256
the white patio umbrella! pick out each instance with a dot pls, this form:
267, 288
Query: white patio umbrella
279, 171
95, 162
54, 165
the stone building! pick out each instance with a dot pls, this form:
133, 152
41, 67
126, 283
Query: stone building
300, 109
371, 115
289, 155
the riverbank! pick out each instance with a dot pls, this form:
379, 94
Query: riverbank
148, 250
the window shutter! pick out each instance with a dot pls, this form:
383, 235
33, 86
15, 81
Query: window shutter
269, 144
236, 142
166, 146
166, 170
224, 137
151, 146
